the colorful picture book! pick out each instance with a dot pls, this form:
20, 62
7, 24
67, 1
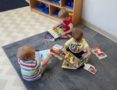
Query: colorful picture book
54, 34
99, 53
70, 61
56, 50
49, 37
67, 65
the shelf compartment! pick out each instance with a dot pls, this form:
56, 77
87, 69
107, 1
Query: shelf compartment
49, 3
39, 12
68, 4
46, 15
42, 7
58, 2
75, 9
54, 11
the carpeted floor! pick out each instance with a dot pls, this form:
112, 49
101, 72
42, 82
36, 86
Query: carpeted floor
56, 78
12, 4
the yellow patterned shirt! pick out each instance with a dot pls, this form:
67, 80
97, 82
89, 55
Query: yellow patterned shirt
76, 47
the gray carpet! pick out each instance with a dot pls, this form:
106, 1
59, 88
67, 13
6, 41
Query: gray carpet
56, 78
12, 4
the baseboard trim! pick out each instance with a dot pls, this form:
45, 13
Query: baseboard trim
99, 30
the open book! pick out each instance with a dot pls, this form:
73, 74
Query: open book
56, 50
90, 68
99, 53
73, 62
70, 61
68, 65
52, 35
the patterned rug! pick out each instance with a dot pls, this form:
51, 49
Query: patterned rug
56, 78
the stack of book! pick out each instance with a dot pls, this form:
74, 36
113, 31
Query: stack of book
56, 50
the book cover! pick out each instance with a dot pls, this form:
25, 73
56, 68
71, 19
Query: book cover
90, 68
70, 61
56, 50
56, 33
99, 53
49, 37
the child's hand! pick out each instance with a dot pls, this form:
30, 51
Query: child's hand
44, 63
64, 50
63, 34
54, 28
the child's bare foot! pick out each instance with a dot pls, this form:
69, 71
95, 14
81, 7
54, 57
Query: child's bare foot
66, 36
69, 36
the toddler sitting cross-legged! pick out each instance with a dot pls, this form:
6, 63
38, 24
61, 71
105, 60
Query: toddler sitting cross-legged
32, 63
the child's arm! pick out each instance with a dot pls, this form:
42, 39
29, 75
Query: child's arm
70, 30
46, 60
88, 52
65, 49
58, 25
67, 43
87, 48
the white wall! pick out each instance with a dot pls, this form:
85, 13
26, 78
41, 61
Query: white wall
101, 13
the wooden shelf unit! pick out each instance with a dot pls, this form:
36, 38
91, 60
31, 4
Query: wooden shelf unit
76, 10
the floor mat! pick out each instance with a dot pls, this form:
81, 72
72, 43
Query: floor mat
12, 4
56, 78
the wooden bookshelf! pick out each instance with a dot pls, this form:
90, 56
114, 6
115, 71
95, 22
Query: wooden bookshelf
76, 10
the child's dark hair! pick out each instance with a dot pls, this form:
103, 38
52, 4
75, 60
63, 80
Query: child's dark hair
63, 13
77, 34
26, 53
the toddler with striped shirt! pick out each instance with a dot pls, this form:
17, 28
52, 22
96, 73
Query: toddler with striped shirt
32, 63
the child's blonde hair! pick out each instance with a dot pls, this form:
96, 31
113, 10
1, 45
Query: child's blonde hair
63, 13
77, 34
26, 53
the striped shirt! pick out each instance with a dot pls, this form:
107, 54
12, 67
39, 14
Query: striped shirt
30, 70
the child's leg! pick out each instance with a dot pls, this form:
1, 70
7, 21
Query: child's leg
67, 36
78, 55
42, 69
46, 56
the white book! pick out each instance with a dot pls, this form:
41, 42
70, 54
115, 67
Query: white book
90, 68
